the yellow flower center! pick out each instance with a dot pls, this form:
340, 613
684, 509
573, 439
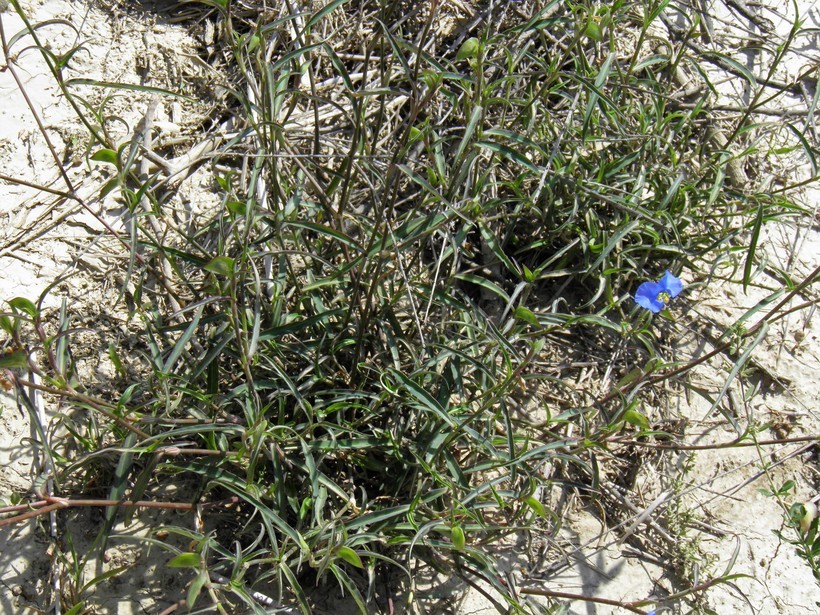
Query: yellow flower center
664, 297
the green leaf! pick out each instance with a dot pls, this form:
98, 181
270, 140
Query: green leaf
739, 363
509, 153
196, 587
468, 49
127, 86
527, 315
109, 186
720, 177
458, 538
347, 583
495, 246
665, 313
752, 250
329, 8
415, 135
305, 508
108, 574
298, 325
115, 359
637, 419
185, 560
614, 242
221, 265
517, 138
650, 61
350, 556
36, 27
484, 283
807, 148
23, 305
253, 42
179, 346
237, 208
323, 230
295, 588
596, 91
106, 155
593, 31
536, 506
120, 483
423, 398
631, 377
224, 181
475, 118
725, 60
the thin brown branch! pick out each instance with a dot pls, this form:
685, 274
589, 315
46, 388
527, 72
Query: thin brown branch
90, 401
42, 507
709, 447
533, 591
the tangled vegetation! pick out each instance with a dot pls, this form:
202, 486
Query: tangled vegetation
431, 224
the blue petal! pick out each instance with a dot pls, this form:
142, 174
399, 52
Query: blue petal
647, 296
671, 284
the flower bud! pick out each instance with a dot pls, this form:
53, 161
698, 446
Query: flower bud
809, 513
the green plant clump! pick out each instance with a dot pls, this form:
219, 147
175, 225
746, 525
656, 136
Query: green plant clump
414, 222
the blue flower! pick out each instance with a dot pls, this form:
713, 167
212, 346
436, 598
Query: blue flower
655, 295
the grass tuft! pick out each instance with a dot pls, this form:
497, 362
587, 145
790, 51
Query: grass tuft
372, 351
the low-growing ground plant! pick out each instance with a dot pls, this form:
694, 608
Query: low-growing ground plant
367, 355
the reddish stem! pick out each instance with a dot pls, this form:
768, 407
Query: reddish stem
42, 507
